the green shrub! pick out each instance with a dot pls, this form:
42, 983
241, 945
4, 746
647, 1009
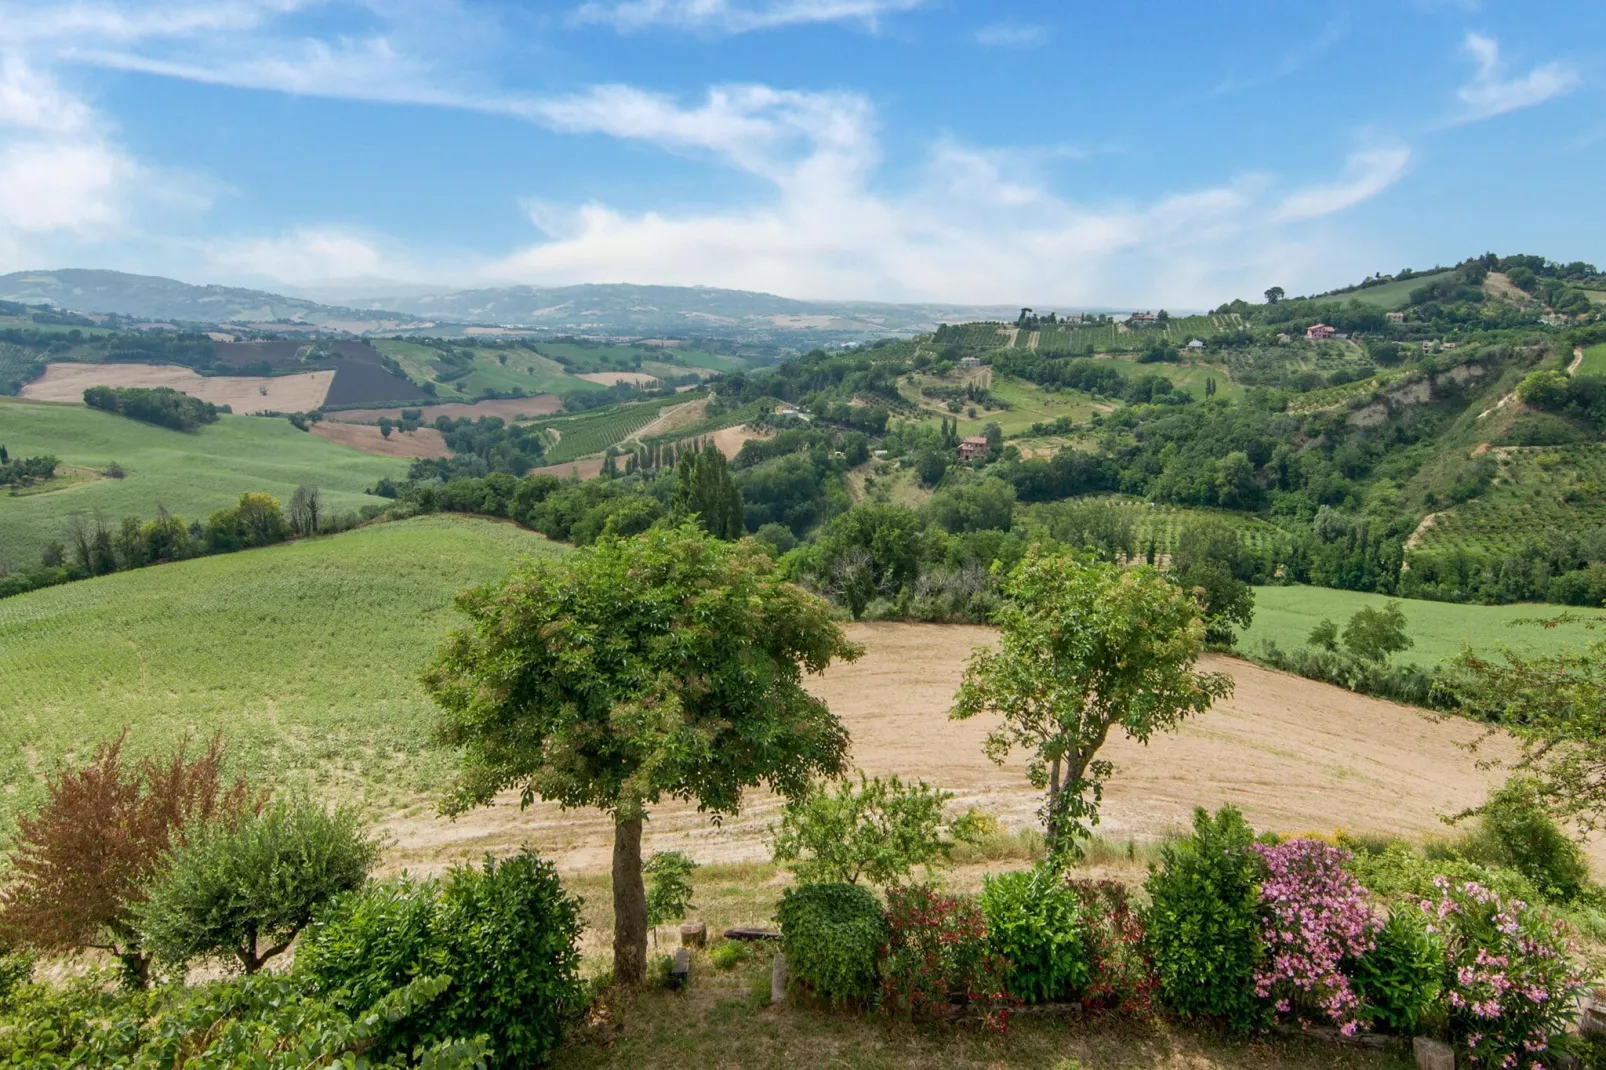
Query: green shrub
1033, 920
1203, 921
937, 955
1514, 830
1400, 874
728, 954
16, 967
505, 935
668, 888
1400, 979
246, 890
831, 935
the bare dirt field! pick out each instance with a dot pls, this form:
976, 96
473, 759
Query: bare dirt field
610, 378
424, 442
242, 393
506, 408
730, 440
585, 468
1293, 754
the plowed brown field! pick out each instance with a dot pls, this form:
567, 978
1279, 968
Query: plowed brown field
424, 442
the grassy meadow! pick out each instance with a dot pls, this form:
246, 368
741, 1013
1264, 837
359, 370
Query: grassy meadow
1594, 362
1390, 295
305, 655
190, 473
1438, 629
1189, 377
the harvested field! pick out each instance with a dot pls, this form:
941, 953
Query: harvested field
586, 468
611, 378
424, 442
730, 440
506, 408
1295, 755
244, 394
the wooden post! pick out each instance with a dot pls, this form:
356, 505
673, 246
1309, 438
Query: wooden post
780, 974
1432, 1055
694, 934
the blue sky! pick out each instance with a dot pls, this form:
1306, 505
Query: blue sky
1068, 153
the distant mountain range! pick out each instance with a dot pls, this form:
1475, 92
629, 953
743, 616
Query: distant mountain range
615, 309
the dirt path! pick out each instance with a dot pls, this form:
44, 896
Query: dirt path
1422, 529
1032, 340
1578, 358
424, 442
1295, 755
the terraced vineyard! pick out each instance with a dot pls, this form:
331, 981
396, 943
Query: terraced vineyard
1538, 489
592, 432
1061, 339
1166, 522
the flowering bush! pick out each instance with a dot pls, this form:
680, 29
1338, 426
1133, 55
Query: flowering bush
1511, 982
1120, 972
1316, 919
937, 955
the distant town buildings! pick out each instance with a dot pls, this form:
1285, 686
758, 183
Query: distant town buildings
973, 448
1318, 331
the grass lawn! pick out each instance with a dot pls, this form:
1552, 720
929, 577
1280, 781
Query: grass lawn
1390, 295
190, 473
1594, 362
1189, 377
304, 655
1287, 615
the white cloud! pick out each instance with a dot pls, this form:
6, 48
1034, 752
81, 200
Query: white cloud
1011, 34
1488, 94
736, 16
306, 255
1367, 174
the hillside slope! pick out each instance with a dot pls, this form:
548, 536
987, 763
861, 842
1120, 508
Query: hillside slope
304, 655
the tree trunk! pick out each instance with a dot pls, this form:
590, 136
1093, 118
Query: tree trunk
629, 906
1053, 820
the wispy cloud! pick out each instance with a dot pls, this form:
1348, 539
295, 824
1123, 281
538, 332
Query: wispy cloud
1366, 174
1290, 62
1011, 34
735, 16
1489, 94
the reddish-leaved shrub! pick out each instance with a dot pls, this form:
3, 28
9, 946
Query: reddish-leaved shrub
936, 959
1120, 972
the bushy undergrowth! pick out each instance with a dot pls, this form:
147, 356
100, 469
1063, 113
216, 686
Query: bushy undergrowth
831, 935
1399, 980
1034, 922
1120, 972
938, 958
1409, 683
1514, 830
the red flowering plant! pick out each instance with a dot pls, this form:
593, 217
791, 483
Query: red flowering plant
1120, 971
1512, 980
1316, 920
936, 959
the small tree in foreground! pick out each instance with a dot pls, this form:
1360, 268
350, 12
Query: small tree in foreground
669, 888
670, 664
246, 891
80, 863
1376, 634
877, 830
1086, 647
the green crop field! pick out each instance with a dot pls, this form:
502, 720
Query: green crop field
592, 432
1390, 295
1165, 522
1189, 377
1286, 615
521, 371
305, 656
1538, 488
191, 474
1594, 362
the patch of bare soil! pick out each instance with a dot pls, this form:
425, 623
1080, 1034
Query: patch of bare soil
1428, 521
1498, 286
506, 408
585, 468
1578, 358
672, 419
424, 442
1293, 754
242, 393
730, 440
610, 378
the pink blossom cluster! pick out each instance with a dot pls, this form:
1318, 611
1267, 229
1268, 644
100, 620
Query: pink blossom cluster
1512, 975
1316, 917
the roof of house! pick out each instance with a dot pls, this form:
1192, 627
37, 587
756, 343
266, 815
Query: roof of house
973, 440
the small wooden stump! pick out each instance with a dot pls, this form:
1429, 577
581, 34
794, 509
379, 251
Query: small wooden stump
1592, 1019
751, 934
694, 934
680, 972
1432, 1055
780, 974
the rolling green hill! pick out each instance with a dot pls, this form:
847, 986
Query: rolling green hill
1390, 295
304, 655
191, 474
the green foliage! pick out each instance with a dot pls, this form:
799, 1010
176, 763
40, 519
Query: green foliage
727, 954
16, 968
504, 935
831, 935
937, 952
878, 830
669, 889
1203, 921
1514, 830
1087, 647
160, 405
1375, 634
1034, 921
1399, 980
704, 491
1324, 636
245, 891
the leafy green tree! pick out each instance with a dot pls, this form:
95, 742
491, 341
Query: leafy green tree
1324, 636
1225, 600
1376, 634
930, 466
1275, 294
669, 889
666, 665
246, 890
979, 505
704, 490
877, 830
1086, 647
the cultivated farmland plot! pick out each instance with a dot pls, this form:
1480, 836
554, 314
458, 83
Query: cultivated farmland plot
592, 432
1538, 489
